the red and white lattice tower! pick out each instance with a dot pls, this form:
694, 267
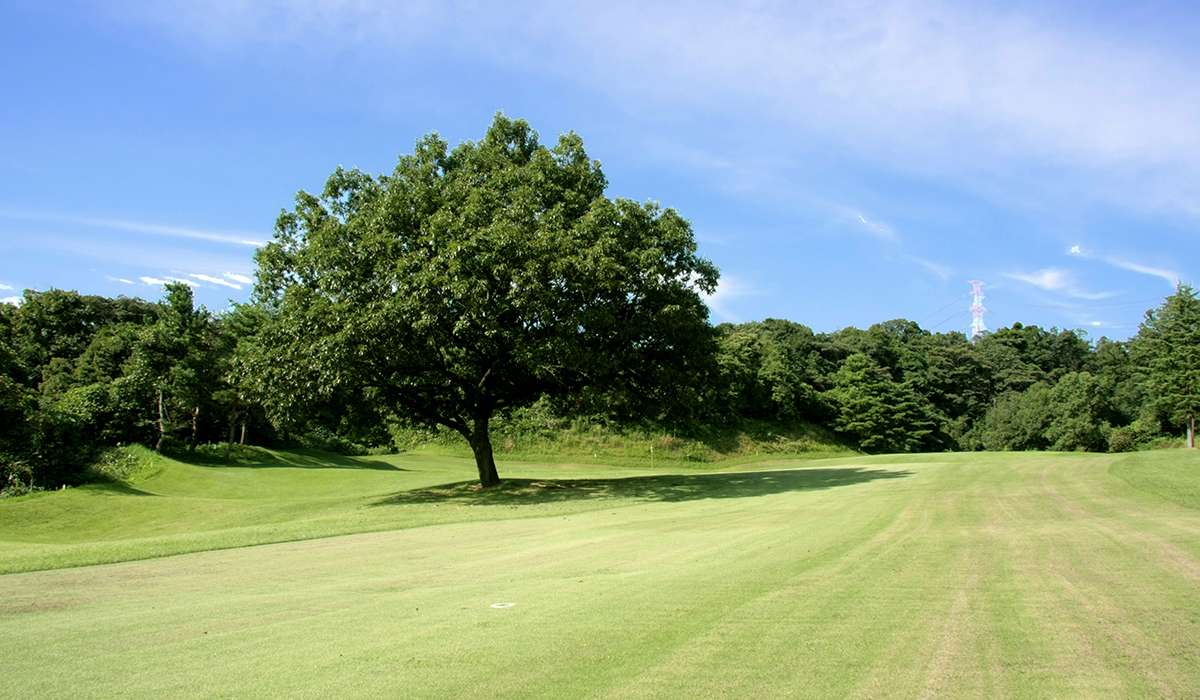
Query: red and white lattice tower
977, 310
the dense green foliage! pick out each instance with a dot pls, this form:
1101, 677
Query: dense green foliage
477, 279
494, 287
81, 374
1170, 351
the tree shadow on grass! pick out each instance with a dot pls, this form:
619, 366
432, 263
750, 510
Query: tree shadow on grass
666, 488
119, 488
304, 458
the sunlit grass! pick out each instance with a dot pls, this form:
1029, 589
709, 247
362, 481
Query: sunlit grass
994, 575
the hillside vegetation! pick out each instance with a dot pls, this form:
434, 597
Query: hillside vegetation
493, 290
81, 374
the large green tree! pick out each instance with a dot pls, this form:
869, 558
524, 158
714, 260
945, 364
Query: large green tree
770, 370
881, 414
1168, 346
180, 357
476, 279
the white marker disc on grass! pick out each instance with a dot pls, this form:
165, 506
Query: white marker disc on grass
503, 605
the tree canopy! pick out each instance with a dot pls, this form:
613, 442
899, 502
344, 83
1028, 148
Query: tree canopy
478, 278
1170, 349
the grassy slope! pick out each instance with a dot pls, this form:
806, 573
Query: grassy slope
284, 496
558, 441
1021, 575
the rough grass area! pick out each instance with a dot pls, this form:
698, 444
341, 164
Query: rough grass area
983, 575
544, 438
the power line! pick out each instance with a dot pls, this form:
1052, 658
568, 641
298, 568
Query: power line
1086, 306
951, 316
935, 313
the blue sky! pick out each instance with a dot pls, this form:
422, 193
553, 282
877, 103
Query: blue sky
843, 163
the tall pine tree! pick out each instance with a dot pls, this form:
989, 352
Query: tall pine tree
1169, 348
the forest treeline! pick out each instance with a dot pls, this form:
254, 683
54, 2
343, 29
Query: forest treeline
79, 374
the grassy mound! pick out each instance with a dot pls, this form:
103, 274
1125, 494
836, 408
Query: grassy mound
146, 505
545, 438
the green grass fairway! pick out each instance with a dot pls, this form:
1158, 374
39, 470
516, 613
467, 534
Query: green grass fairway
995, 575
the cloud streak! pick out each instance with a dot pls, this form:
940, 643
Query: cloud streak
233, 238
940, 271
728, 289
925, 84
1053, 279
156, 282
215, 280
878, 229
1171, 277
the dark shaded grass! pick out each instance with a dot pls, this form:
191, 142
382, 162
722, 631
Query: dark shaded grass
257, 458
665, 488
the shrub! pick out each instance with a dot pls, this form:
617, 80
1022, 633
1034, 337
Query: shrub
321, 438
1121, 440
16, 478
117, 464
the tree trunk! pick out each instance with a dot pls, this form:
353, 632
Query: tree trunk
162, 430
233, 411
1191, 425
481, 445
192, 443
242, 440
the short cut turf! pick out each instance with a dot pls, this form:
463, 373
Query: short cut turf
994, 575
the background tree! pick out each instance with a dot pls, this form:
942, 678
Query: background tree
1023, 355
881, 414
957, 382
476, 279
1168, 346
238, 337
1080, 404
179, 356
771, 370
1018, 420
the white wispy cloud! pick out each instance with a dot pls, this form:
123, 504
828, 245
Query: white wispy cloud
728, 289
941, 271
1053, 279
973, 87
117, 279
231, 237
1050, 278
879, 229
16, 301
239, 278
1171, 277
159, 282
5, 286
119, 253
216, 280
